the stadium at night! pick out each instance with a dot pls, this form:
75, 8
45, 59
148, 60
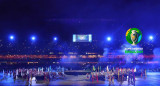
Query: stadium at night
79, 42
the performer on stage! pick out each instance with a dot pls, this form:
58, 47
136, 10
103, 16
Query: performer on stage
97, 76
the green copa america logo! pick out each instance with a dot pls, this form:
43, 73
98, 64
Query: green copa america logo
133, 36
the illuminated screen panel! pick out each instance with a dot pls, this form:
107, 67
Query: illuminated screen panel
82, 37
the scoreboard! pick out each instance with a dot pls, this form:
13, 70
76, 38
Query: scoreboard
82, 37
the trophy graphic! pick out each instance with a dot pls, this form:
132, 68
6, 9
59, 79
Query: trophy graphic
134, 37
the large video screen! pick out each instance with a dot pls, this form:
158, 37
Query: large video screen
82, 37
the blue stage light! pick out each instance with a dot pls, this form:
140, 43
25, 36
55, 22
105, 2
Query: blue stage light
11, 37
55, 38
33, 38
150, 37
108, 38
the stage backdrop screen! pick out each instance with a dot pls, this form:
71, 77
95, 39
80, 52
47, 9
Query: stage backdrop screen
82, 37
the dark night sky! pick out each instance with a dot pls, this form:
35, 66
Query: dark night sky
46, 18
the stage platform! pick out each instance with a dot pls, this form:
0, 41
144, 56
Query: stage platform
77, 72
